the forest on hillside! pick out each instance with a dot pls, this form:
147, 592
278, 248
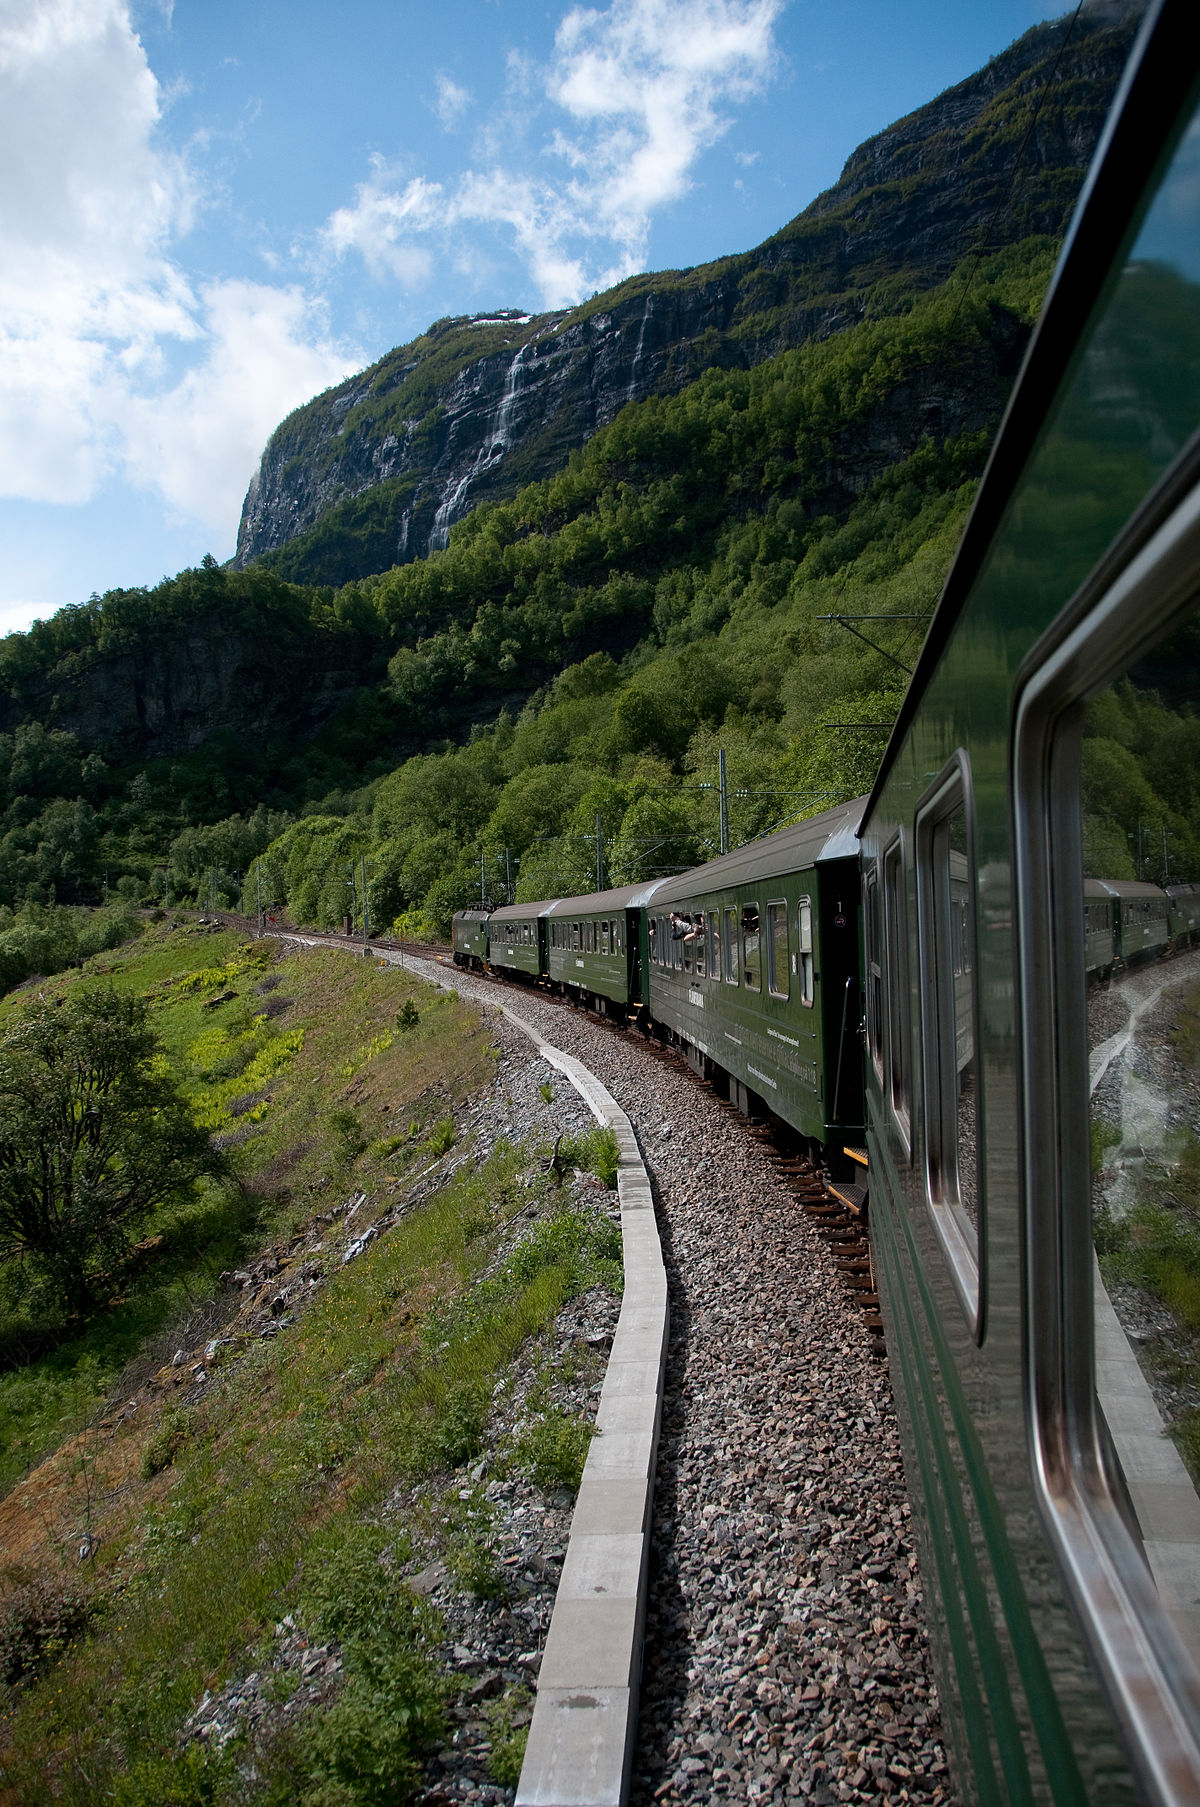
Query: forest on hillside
546, 700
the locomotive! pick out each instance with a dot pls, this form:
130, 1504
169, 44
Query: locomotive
916, 981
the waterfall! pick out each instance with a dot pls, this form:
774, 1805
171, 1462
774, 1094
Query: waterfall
631, 392
495, 444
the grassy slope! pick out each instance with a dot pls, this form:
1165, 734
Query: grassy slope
219, 1505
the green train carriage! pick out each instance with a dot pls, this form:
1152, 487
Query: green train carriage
1058, 1518
517, 939
598, 947
469, 938
754, 968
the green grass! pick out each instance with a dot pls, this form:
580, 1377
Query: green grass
284, 1496
299, 1138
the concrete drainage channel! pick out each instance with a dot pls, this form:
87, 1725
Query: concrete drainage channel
584, 1725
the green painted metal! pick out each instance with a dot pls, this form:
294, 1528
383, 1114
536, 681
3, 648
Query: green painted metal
793, 1042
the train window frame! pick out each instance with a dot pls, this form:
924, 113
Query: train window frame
897, 1070
806, 955
713, 933
777, 916
751, 932
732, 945
1117, 616
873, 948
962, 1241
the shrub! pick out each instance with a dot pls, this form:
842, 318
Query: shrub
508, 1721
596, 1151
37, 1623
440, 1139
346, 1136
165, 1444
553, 1450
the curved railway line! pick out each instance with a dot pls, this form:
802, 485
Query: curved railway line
785, 1653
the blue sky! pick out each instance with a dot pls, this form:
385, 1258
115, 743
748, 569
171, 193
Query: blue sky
211, 211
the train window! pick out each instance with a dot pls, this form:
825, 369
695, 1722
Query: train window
714, 943
948, 1032
618, 938
778, 979
751, 967
873, 941
700, 943
731, 947
686, 945
896, 942
1120, 1259
1107, 745
804, 951
605, 932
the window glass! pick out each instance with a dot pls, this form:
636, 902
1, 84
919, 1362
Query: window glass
948, 1033
804, 951
699, 942
1140, 836
777, 949
751, 936
714, 943
687, 945
896, 942
605, 932
731, 947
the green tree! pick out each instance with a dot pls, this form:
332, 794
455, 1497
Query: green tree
94, 1136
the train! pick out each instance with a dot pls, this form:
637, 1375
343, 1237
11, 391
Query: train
911, 981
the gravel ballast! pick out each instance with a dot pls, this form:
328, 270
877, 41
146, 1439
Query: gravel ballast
786, 1655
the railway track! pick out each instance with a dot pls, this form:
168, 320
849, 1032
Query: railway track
785, 1649
837, 1210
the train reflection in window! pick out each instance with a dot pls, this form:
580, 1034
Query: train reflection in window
1140, 821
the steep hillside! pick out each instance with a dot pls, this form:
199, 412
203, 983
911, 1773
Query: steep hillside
374, 472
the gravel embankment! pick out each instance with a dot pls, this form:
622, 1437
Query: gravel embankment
786, 1654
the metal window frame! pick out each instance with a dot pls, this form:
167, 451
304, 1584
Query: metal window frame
873, 946
1152, 1680
808, 976
774, 989
963, 1243
896, 1030
754, 985
731, 959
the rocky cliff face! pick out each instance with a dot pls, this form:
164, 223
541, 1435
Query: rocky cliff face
167, 693
387, 462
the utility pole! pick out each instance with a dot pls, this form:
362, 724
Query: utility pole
482, 879
258, 894
366, 918
599, 853
723, 787
508, 875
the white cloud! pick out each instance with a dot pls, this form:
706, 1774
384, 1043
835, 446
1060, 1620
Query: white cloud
642, 85
451, 103
94, 308
381, 224
266, 351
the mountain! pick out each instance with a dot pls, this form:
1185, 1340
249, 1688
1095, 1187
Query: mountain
376, 471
